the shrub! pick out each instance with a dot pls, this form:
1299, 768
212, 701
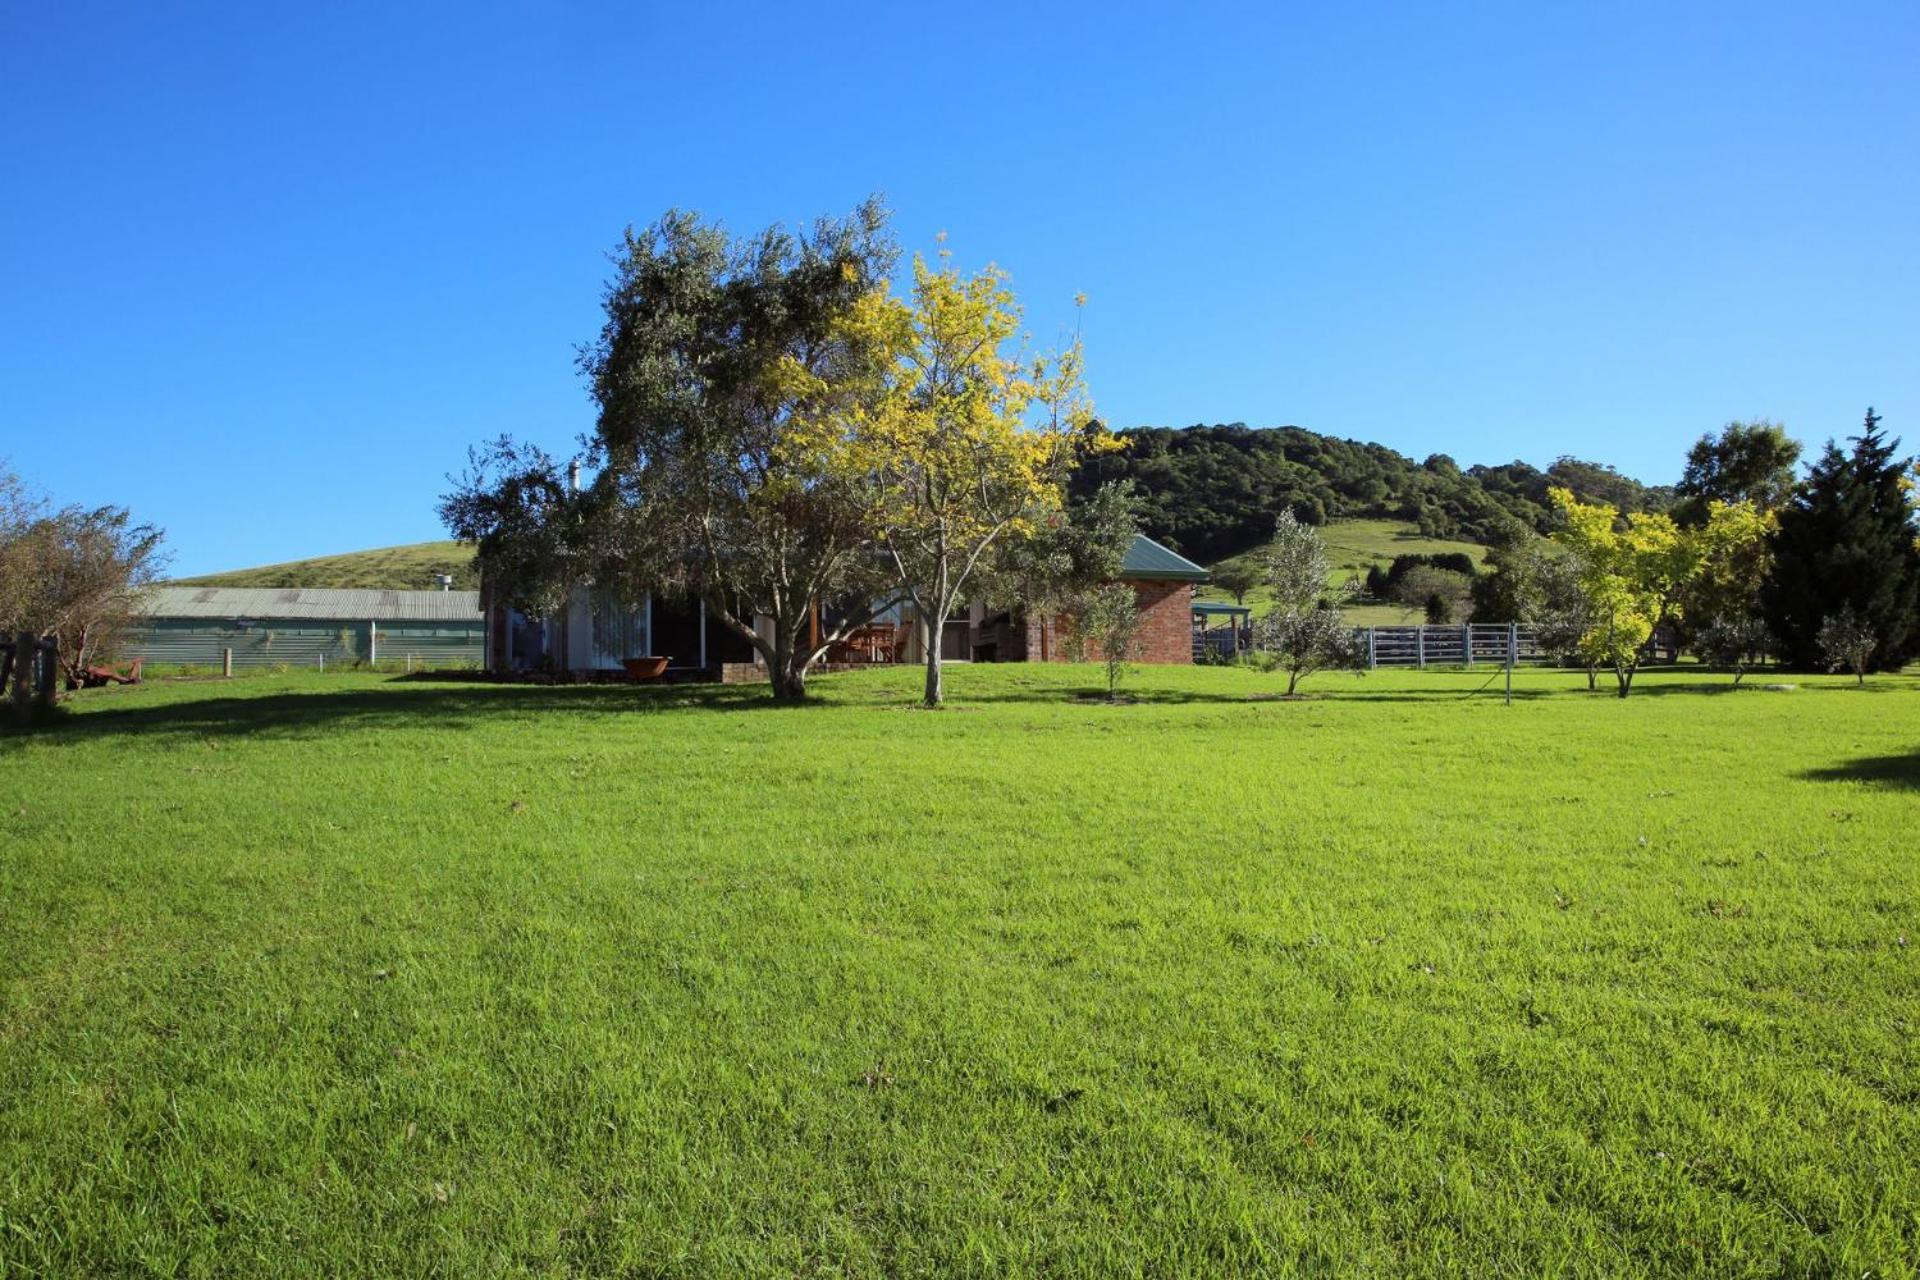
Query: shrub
1847, 642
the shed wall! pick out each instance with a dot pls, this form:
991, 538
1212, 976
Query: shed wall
302, 642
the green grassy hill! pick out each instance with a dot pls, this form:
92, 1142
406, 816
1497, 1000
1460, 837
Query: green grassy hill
1355, 546
405, 568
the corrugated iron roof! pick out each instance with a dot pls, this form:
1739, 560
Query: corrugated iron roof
1147, 559
312, 603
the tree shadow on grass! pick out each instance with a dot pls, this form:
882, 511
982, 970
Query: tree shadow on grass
1898, 772
1771, 682
1066, 695
395, 703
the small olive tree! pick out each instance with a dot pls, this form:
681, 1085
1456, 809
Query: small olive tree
1105, 624
1305, 630
1733, 640
1847, 641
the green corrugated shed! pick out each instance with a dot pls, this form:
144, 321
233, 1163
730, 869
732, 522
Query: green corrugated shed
194, 626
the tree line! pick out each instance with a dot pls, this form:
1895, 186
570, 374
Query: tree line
1751, 559
1212, 492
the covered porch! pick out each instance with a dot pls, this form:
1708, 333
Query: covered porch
1221, 630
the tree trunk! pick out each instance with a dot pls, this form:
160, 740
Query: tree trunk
935, 690
1293, 679
1625, 676
788, 668
789, 683
1593, 679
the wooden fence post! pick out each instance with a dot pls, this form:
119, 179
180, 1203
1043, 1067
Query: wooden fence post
226, 662
25, 647
1420, 646
49, 692
1373, 658
1466, 642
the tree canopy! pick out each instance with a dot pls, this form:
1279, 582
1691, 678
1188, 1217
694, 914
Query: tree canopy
969, 438
1746, 462
1635, 572
1847, 540
727, 375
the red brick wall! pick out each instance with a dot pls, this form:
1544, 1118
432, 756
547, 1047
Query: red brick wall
1166, 627
1166, 621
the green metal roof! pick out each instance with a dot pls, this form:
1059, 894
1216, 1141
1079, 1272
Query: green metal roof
1214, 606
1148, 560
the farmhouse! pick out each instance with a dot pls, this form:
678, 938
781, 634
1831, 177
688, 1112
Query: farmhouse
596, 634
304, 627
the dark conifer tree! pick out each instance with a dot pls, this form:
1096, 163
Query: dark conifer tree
1847, 538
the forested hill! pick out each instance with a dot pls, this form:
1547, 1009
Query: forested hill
1213, 492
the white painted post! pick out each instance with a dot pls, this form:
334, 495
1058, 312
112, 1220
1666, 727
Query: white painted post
323, 662
1513, 653
1373, 658
373, 642
1466, 641
1420, 646
226, 663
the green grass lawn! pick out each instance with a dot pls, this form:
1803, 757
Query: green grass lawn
350, 975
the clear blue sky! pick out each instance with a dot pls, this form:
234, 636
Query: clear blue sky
267, 269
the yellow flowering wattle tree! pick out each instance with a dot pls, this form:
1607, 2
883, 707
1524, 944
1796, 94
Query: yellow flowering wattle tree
970, 441
1635, 573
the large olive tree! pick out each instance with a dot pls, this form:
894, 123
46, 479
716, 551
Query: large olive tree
727, 376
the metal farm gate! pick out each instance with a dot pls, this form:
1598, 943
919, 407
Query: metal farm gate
1467, 645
